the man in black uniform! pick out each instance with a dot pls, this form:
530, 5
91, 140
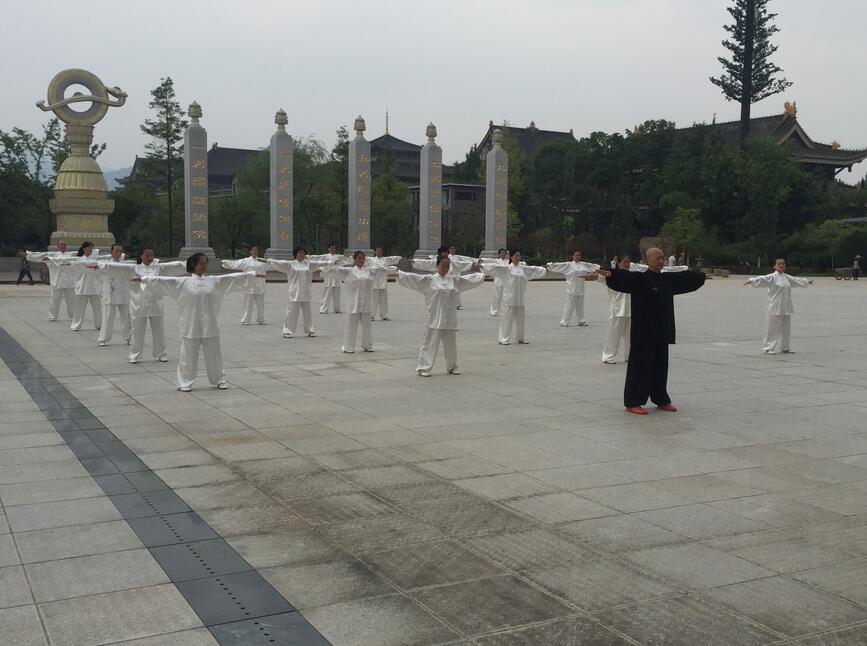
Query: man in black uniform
652, 327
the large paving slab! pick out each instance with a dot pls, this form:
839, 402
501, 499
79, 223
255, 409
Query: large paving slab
514, 504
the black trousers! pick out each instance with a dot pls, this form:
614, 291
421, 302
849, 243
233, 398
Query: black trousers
22, 274
647, 375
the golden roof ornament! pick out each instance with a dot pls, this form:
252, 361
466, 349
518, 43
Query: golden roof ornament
835, 145
791, 109
637, 130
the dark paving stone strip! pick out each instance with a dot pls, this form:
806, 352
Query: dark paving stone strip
234, 601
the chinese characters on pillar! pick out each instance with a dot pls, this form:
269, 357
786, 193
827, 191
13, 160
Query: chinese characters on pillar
496, 197
282, 152
195, 185
430, 196
359, 190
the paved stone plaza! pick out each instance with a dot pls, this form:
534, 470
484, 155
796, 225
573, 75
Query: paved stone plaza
516, 504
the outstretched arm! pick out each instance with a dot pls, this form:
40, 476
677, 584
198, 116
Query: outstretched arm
163, 285
240, 280
283, 266
418, 282
621, 280
684, 282
760, 281
470, 281
533, 272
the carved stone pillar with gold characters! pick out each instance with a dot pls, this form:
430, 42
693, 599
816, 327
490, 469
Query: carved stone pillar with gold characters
430, 196
80, 202
196, 186
496, 197
359, 191
281, 152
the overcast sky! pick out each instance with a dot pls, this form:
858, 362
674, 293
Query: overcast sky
582, 64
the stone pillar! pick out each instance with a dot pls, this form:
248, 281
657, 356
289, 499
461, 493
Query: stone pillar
196, 186
80, 202
282, 205
430, 196
359, 191
496, 197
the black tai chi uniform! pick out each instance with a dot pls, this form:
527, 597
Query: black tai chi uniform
652, 329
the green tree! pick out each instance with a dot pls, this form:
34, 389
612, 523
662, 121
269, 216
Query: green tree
391, 220
241, 219
165, 151
688, 231
748, 74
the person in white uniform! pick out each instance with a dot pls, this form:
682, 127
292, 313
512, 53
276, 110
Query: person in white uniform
620, 311
515, 278
331, 298
115, 298
458, 265
61, 280
440, 291
577, 273
145, 305
671, 261
299, 278
359, 280
256, 294
497, 293
199, 298
88, 285
380, 283
778, 330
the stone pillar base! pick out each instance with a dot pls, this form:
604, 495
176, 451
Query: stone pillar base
186, 252
279, 254
100, 239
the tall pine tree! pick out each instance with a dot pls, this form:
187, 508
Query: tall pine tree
166, 148
748, 74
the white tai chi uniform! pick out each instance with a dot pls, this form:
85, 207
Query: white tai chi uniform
254, 295
441, 320
61, 279
515, 279
620, 316
332, 284
359, 301
380, 284
199, 299
457, 266
146, 305
780, 309
497, 294
115, 300
574, 302
299, 277
88, 288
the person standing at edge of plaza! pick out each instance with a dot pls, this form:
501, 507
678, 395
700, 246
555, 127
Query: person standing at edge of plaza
199, 298
497, 293
778, 329
380, 283
515, 277
440, 291
256, 293
60, 278
88, 284
25, 266
856, 267
145, 305
299, 277
332, 284
653, 330
359, 280
577, 273
115, 298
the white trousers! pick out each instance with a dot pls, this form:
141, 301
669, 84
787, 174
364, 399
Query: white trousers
57, 295
291, 321
158, 334
778, 332
350, 332
188, 361
107, 329
430, 343
249, 301
516, 314
78, 312
618, 330
380, 304
574, 304
496, 299
332, 298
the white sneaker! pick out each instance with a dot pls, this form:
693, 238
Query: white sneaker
184, 389
164, 359
342, 349
788, 352
52, 319
102, 343
133, 360
422, 373
503, 342
386, 318
609, 361
245, 322
564, 325
311, 333
582, 324
454, 371
769, 352
287, 335
222, 385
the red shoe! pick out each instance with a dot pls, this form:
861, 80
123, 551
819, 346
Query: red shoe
671, 408
638, 410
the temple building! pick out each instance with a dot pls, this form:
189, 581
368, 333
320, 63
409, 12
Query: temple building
826, 159
528, 139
